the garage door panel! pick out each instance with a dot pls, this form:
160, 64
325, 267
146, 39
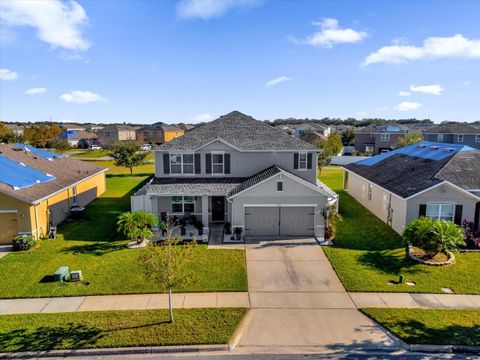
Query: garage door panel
297, 221
261, 221
279, 221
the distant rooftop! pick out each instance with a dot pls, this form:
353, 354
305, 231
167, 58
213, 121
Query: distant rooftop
456, 128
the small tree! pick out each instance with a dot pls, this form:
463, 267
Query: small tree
330, 147
128, 154
409, 139
137, 225
348, 137
433, 236
61, 145
169, 263
41, 135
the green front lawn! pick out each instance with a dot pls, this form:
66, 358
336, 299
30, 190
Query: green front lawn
368, 254
92, 154
145, 169
432, 327
81, 330
94, 246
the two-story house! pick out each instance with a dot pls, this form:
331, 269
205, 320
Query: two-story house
311, 127
376, 139
462, 134
239, 170
115, 132
158, 133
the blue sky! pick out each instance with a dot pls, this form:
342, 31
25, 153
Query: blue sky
187, 61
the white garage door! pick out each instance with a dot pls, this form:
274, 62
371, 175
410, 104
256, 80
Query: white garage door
279, 221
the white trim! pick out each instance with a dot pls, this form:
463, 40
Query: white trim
458, 138
8, 211
36, 202
216, 152
443, 183
291, 176
181, 162
449, 203
306, 161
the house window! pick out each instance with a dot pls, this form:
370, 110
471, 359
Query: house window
369, 149
369, 192
279, 185
460, 137
440, 137
440, 211
217, 163
183, 204
385, 137
181, 164
477, 138
302, 161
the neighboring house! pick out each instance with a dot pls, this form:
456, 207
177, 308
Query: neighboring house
239, 170
437, 180
454, 134
79, 138
320, 129
341, 128
376, 139
158, 133
313, 138
287, 129
114, 132
185, 127
16, 129
38, 188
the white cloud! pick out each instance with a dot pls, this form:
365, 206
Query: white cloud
456, 46
277, 81
404, 93
331, 34
58, 23
35, 91
82, 97
203, 117
8, 75
206, 9
435, 89
407, 106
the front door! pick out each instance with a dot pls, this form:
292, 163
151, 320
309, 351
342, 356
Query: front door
218, 208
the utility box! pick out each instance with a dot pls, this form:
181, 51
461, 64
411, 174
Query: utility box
76, 275
62, 274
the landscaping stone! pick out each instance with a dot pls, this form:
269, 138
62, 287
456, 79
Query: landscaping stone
451, 258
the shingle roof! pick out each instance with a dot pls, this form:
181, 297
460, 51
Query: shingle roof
67, 171
407, 171
388, 128
255, 179
193, 185
119, 127
463, 170
241, 131
456, 128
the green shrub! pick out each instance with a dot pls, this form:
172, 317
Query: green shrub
433, 236
23, 242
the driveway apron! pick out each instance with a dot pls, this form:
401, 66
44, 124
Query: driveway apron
298, 302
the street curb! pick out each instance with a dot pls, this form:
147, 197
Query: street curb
145, 350
237, 335
444, 348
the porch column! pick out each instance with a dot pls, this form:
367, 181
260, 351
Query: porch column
205, 214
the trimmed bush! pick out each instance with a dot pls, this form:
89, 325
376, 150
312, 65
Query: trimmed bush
434, 236
23, 242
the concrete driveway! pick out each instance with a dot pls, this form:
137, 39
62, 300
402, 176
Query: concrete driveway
298, 302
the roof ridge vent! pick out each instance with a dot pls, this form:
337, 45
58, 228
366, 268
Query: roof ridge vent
434, 147
421, 146
448, 150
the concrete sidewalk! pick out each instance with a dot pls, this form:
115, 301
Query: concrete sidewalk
123, 302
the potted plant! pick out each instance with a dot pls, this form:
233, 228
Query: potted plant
238, 233
200, 228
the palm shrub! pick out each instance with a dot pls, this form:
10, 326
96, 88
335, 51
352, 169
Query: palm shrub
332, 220
433, 236
137, 225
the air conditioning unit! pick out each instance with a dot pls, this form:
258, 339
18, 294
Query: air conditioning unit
76, 275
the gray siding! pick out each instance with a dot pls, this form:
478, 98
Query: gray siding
375, 140
468, 139
294, 193
245, 164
